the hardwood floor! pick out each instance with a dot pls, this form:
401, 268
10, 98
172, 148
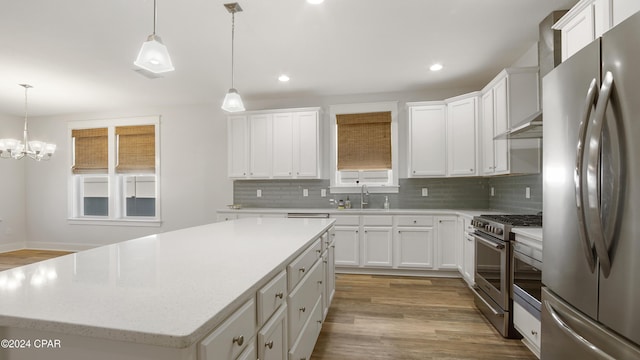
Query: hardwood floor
383, 317
17, 258
390, 318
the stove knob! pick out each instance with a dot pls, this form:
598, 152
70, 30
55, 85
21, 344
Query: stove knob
499, 231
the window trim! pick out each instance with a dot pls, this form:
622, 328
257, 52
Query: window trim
116, 198
335, 186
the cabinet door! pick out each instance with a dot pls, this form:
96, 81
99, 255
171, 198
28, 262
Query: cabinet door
305, 156
414, 247
461, 136
578, 32
238, 138
500, 125
282, 161
260, 130
488, 163
347, 245
377, 244
446, 249
272, 338
622, 9
330, 274
427, 136
469, 258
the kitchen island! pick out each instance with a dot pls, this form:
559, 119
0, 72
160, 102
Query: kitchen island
160, 296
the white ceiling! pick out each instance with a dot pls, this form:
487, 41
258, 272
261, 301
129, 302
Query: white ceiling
78, 54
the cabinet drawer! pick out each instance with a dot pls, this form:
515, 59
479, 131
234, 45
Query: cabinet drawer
230, 338
272, 338
325, 239
374, 220
302, 298
303, 347
527, 325
298, 267
347, 220
271, 296
414, 220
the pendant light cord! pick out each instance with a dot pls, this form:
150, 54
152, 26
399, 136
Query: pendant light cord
233, 29
155, 16
26, 131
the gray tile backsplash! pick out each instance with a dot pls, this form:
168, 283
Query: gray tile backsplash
449, 193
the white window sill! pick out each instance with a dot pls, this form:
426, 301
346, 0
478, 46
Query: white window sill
373, 189
115, 222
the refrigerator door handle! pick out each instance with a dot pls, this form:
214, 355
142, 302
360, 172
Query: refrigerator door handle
590, 102
573, 334
594, 145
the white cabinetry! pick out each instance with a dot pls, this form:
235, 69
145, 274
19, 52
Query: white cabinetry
347, 240
272, 338
462, 122
281, 144
528, 326
446, 243
589, 19
413, 245
468, 248
377, 241
508, 99
427, 140
230, 338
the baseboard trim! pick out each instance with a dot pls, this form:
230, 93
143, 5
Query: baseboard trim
399, 272
58, 246
12, 246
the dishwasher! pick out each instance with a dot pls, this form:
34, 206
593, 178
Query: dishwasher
308, 215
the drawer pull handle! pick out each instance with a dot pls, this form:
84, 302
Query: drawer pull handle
534, 333
320, 322
238, 340
318, 251
325, 261
415, 221
320, 282
280, 295
269, 344
303, 309
303, 269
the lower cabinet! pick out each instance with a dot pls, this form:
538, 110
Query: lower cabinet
233, 336
377, 244
529, 326
468, 254
414, 247
347, 242
303, 347
272, 338
446, 243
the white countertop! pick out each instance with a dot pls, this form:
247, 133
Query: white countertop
354, 211
534, 233
168, 289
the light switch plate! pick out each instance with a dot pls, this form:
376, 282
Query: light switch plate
493, 191
323, 192
527, 193
425, 191
305, 192
259, 193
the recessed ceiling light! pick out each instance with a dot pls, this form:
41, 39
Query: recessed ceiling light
315, 2
436, 67
283, 78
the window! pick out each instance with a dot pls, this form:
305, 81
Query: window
114, 171
364, 147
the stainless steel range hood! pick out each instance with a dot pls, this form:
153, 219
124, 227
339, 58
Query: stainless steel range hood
530, 128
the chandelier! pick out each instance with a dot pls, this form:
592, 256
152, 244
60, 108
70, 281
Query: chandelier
16, 149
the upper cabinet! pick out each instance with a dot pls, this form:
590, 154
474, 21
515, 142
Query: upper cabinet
462, 125
589, 19
427, 139
443, 137
274, 145
508, 99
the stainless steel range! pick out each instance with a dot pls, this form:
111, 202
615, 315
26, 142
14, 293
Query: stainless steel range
493, 294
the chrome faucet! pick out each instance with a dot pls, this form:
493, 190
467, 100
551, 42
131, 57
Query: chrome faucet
363, 191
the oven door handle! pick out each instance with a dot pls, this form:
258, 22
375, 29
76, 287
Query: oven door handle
489, 243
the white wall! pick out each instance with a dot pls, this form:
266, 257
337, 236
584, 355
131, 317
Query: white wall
13, 228
529, 58
194, 182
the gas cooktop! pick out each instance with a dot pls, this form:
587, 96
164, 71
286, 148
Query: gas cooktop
515, 220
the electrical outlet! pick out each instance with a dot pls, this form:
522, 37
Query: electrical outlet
493, 191
305, 192
323, 192
258, 193
527, 193
425, 191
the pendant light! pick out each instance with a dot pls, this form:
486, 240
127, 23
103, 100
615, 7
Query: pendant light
153, 55
232, 101
16, 149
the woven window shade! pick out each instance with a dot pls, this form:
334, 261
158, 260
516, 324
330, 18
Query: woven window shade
91, 151
364, 141
136, 149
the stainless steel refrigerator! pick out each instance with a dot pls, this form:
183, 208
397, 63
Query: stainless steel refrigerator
591, 208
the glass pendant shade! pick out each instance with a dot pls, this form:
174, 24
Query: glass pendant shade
232, 101
154, 56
